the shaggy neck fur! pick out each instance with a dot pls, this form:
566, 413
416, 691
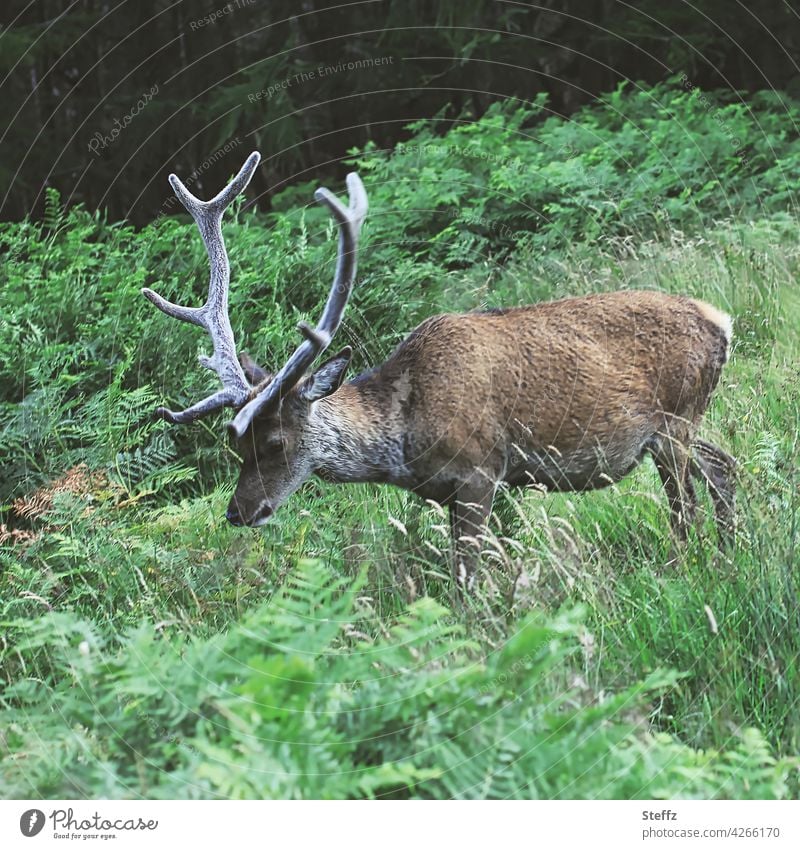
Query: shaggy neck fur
357, 438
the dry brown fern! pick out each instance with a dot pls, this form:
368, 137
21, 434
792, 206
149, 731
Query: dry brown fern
16, 536
79, 480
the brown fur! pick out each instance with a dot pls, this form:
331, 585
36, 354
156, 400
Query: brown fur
569, 394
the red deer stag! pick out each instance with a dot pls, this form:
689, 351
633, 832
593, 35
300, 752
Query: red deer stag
569, 395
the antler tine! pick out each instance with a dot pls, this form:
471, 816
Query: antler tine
219, 203
350, 218
213, 315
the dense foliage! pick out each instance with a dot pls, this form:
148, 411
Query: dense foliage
277, 708
148, 648
448, 212
103, 100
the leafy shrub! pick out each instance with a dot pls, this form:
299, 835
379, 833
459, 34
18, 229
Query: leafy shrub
127, 602
295, 702
83, 356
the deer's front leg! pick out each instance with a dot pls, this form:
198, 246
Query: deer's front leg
469, 511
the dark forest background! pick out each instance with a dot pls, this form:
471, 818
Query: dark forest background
192, 86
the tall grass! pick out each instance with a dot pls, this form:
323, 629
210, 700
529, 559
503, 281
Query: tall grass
149, 648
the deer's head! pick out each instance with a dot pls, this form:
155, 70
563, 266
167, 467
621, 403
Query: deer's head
283, 445
274, 424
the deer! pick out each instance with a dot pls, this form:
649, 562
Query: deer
568, 395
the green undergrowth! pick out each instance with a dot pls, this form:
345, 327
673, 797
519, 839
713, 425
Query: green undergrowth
148, 648
297, 700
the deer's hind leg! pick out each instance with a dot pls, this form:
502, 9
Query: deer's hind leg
717, 469
670, 450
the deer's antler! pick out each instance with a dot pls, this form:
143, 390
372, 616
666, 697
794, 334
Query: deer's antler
213, 315
350, 219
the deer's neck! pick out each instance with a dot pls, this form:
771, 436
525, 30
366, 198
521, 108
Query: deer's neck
360, 436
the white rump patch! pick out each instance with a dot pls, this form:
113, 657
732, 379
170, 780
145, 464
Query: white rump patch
721, 319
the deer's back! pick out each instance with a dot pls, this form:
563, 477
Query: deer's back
477, 389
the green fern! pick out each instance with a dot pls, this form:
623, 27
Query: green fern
53, 210
144, 461
284, 705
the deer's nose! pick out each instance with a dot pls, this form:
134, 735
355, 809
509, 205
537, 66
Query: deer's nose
232, 515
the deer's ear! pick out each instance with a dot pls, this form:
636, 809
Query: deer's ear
252, 370
327, 378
